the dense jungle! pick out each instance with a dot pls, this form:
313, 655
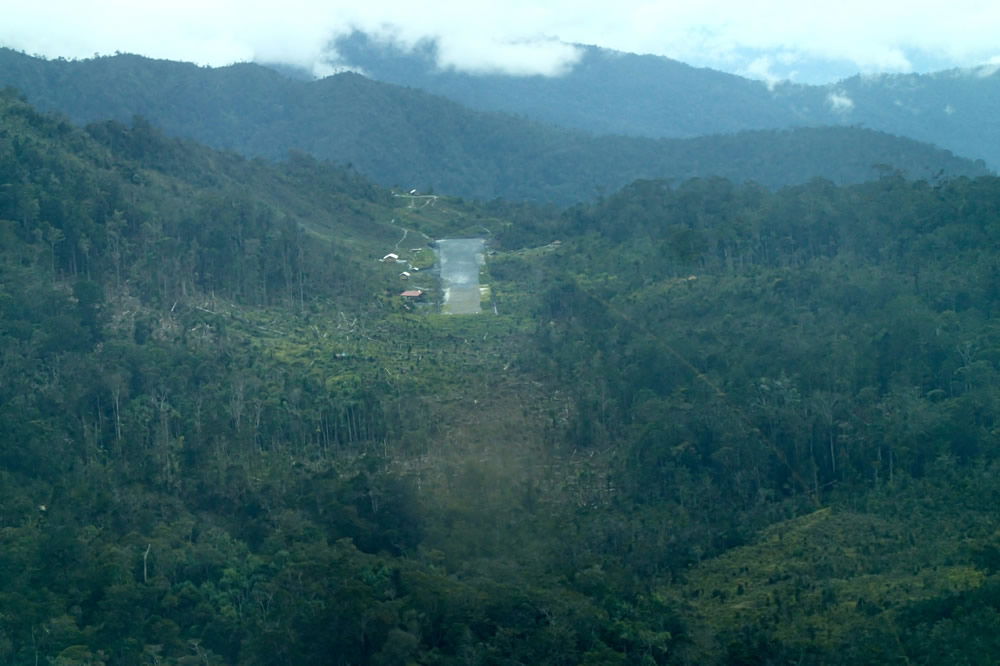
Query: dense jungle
698, 421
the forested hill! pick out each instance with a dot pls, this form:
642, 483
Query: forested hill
404, 137
953, 109
839, 342
176, 325
611, 92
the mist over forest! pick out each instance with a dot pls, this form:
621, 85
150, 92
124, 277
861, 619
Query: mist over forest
726, 399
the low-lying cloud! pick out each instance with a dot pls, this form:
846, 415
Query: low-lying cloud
772, 39
839, 102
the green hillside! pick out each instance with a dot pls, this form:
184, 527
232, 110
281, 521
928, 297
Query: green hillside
407, 138
711, 423
824, 352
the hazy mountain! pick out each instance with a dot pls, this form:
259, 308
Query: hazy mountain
401, 136
955, 109
607, 92
644, 95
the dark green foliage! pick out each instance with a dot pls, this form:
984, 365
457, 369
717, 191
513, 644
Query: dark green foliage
185, 480
221, 442
893, 270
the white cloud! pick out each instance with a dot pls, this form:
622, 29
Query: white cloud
991, 67
545, 57
765, 39
762, 68
773, 68
840, 102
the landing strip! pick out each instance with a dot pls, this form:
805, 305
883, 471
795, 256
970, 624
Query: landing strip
459, 260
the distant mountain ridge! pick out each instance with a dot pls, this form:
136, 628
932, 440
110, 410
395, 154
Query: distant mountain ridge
406, 137
606, 92
955, 109
610, 92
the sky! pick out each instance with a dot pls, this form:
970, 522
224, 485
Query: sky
770, 40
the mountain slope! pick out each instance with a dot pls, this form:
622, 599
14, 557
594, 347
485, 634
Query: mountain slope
612, 92
606, 92
954, 109
198, 376
405, 137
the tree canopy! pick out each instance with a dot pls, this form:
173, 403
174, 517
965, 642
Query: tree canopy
710, 422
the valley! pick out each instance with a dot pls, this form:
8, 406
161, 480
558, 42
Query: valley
689, 419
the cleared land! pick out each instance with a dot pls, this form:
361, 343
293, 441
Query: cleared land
460, 259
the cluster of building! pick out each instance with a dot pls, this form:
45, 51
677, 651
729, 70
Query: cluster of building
411, 294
